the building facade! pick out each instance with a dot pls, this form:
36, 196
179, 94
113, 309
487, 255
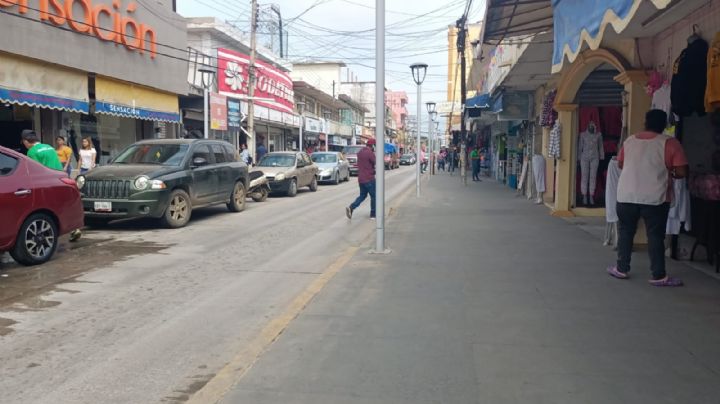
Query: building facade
113, 76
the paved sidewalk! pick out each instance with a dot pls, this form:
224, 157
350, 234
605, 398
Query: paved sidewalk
488, 299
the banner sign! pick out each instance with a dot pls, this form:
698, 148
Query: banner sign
272, 84
218, 112
235, 117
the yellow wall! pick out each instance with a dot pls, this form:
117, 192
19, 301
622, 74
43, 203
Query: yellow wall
453, 90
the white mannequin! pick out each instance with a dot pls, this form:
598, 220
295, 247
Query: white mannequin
590, 152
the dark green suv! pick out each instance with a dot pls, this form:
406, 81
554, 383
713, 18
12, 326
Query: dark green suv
164, 179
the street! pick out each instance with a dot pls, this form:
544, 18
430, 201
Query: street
148, 315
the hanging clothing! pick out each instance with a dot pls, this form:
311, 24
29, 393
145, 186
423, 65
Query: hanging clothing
538, 166
611, 188
680, 208
611, 121
689, 80
548, 116
587, 115
554, 144
712, 92
661, 100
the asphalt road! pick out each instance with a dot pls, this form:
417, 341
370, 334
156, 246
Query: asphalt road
136, 314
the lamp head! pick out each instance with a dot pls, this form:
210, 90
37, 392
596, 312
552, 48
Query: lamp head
206, 75
430, 107
419, 71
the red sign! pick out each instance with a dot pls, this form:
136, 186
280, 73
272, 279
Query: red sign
218, 112
272, 84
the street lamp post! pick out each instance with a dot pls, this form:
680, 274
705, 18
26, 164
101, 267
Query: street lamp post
380, 127
419, 71
431, 146
206, 77
300, 107
327, 114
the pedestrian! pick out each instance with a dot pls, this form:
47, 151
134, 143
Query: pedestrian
47, 156
441, 160
475, 160
423, 159
64, 153
245, 154
366, 179
88, 155
648, 161
40, 152
261, 151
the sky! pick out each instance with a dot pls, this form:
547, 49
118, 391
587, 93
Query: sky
343, 30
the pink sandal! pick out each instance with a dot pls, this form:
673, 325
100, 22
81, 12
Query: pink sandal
615, 273
667, 282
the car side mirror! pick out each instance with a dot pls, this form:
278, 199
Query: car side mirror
199, 162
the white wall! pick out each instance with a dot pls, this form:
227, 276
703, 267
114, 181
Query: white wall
320, 76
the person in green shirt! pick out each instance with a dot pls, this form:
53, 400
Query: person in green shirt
40, 152
47, 156
475, 159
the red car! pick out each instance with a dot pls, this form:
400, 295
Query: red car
37, 205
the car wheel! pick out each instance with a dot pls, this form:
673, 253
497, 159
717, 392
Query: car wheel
337, 178
237, 198
178, 210
36, 241
263, 196
96, 222
292, 188
313, 185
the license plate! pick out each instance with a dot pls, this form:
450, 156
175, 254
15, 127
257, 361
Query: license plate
103, 206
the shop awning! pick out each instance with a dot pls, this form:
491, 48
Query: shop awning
578, 22
512, 18
36, 84
481, 101
114, 97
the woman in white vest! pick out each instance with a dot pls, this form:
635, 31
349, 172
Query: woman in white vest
648, 160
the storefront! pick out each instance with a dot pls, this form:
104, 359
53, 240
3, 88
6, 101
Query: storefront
63, 78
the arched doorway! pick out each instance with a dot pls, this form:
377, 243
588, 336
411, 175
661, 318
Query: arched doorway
596, 77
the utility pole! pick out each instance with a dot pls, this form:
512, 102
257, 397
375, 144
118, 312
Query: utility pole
251, 80
463, 94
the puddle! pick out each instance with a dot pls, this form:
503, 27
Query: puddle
22, 288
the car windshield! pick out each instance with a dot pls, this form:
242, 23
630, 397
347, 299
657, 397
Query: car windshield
353, 149
324, 158
277, 160
407, 156
162, 154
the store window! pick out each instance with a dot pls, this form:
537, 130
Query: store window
115, 134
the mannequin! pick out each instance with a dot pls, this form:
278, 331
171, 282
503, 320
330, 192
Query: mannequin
590, 152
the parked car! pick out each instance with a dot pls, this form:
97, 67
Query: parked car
37, 206
333, 167
350, 153
288, 171
391, 161
164, 179
407, 160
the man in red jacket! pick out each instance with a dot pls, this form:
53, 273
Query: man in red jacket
366, 179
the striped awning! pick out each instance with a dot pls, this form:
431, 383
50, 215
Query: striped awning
578, 22
37, 84
119, 98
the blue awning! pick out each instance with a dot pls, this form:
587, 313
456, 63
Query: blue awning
481, 101
390, 148
43, 100
585, 21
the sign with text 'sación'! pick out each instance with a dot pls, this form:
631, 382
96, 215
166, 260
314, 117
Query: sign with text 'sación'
273, 85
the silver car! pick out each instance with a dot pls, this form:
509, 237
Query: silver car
333, 167
288, 171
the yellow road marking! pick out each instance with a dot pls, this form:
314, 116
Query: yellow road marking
229, 375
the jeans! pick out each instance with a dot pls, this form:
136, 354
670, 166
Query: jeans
476, 169
655, 218
365, 189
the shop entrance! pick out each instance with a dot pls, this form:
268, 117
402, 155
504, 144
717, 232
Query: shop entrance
13, 120
599, 128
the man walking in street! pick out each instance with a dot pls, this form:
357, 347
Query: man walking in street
261, 151
475, 159
366, 179
648, 161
